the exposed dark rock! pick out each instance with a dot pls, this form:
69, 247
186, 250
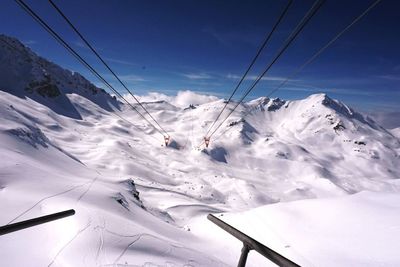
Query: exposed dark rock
360, 143
339, 127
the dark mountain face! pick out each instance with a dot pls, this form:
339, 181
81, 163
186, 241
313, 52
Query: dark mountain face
25, 74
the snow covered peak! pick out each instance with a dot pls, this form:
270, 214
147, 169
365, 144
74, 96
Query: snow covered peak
325, 100
319, 97
316, 103
265, 103
25, 74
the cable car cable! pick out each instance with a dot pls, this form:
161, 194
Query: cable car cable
57, 37
104, 63
266, 40
307, 17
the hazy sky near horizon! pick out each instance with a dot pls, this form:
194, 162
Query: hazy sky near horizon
205, 46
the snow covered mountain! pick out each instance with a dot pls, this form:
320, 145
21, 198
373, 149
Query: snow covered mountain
139, 203
25, 74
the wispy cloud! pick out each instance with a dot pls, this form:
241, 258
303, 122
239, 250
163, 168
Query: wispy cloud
123, 62
254, 77
132, 78
197, 76
332, 90
230, 38
390, 77
233, 76
107, 59
30, 42
313, 89
396, 68
84, 46
80, 44
127, 78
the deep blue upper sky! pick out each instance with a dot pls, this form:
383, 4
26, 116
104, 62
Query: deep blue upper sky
167, 46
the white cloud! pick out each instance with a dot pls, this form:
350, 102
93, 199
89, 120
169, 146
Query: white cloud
182, 99
185, 98
152, 97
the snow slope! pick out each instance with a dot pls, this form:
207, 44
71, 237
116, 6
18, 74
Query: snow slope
357, 230
396, 132
140, 203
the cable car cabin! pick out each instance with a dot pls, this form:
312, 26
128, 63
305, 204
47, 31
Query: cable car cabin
207, 141
166, 140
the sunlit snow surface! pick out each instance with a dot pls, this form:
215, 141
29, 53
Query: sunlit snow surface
52, 162
312, 179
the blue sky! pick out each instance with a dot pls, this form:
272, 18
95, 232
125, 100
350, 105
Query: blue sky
205, 46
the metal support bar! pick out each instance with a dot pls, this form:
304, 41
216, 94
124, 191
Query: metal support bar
243, 256
6, 229
273, 256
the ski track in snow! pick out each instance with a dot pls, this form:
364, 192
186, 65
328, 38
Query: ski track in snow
126, 248
68, 243
58, 194
88, 189
101, 242
46, 198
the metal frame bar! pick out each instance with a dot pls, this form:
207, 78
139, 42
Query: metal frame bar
9, 228
252, 244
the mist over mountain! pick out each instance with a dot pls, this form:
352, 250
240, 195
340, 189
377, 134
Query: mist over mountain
389, 120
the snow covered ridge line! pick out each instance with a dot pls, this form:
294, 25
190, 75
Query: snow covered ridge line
25, 74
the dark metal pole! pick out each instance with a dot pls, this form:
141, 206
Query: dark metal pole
243, 256
6, 229
253, 244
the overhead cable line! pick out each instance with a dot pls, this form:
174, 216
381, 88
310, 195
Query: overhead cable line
113, 113
319, 52
309, 61
266, 40
307, 17
104, 63
57, 37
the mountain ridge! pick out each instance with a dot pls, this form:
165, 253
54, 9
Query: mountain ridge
25, 74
